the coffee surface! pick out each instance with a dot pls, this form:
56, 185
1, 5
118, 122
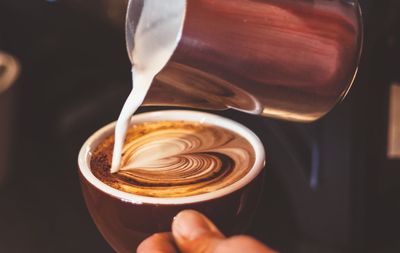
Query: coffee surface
174, 159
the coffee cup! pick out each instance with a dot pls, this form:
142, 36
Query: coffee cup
126, 219
9, 72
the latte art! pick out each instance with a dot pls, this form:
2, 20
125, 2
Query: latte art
175, 158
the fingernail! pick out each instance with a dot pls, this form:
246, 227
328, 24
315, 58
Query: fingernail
189, 225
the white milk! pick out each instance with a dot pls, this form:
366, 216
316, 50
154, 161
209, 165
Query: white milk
155, 39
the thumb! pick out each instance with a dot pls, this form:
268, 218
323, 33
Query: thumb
194, 233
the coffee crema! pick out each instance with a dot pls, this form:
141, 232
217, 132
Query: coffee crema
174, 159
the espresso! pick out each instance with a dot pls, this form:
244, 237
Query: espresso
174, 159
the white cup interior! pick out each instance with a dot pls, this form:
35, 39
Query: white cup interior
85, 155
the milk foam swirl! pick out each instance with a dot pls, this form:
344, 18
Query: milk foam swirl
166, 159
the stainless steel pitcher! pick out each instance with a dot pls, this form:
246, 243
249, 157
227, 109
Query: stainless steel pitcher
287, 59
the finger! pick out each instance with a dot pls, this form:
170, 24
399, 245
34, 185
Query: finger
158, 243
193, 232
240, 244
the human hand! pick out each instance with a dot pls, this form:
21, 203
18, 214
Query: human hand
192, 232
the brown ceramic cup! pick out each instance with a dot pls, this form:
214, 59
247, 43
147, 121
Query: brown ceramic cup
125, 219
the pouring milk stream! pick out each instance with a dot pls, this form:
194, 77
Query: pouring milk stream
155, 37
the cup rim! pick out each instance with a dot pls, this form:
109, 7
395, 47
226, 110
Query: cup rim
94, 140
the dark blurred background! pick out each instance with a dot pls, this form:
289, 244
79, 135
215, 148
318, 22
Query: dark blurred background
330, 185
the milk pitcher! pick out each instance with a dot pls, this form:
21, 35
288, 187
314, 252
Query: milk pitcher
287, 59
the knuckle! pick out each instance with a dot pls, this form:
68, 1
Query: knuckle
148, 243
157, 236
242, 238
